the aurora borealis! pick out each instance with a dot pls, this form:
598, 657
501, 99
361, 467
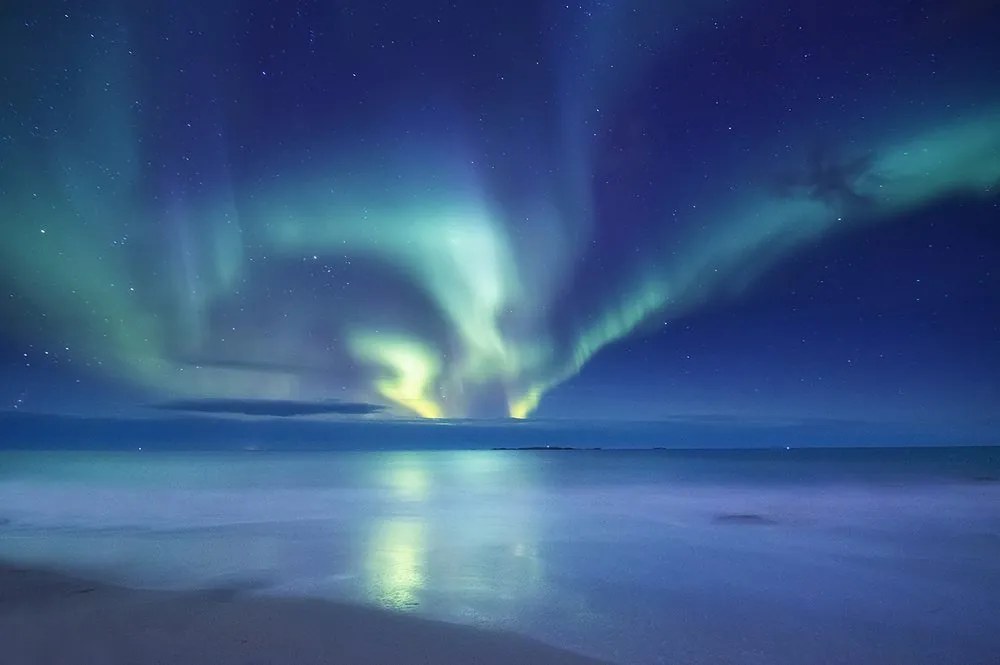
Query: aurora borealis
456, 210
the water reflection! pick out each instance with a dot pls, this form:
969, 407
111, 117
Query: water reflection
396, 563
453, 533
406, 478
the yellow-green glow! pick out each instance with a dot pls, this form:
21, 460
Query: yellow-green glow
522, 406
963, 158
406, 477
396, 562
399, 265
462, 256
410, 369
455, 249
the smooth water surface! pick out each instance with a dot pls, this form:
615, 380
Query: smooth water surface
638, 557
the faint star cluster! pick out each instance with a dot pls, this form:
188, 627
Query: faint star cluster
486, 209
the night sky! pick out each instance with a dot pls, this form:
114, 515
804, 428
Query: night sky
341, 212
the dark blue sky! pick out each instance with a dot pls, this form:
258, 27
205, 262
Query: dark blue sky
725, 221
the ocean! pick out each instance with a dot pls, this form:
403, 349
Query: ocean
753, 556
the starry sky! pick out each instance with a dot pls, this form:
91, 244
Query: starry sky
634, 211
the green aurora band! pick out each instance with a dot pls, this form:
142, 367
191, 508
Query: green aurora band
962, 159
80, 230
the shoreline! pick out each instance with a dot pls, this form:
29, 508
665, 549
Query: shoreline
48, 617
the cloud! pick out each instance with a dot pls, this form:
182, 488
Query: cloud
40, 431
269, 407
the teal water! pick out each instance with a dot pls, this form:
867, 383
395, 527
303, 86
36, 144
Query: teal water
636, 556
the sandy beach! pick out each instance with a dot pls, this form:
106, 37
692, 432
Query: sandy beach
52, 619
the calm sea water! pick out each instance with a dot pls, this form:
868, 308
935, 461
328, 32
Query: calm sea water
639, 557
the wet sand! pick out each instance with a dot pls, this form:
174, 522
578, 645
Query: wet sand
53, 619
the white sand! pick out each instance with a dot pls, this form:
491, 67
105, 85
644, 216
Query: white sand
48, 619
